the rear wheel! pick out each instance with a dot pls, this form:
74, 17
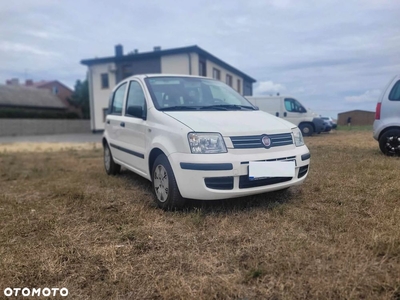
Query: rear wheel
167, 195
389, 142
111, 167
306, 129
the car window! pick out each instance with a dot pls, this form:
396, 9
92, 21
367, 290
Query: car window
292, 105
135, 96
395, 92
118, 100
185, 93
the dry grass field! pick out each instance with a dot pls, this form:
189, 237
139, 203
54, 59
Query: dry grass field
65, 223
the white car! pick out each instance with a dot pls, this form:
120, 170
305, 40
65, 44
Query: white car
387, 119
196, 138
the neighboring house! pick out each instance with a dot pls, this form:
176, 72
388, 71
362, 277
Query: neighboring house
56, 88
29, 99
358, 117
105, 73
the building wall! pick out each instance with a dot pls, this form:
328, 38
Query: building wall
99, 97
358, 118
175, 64
210, 65
21, 127
145, 66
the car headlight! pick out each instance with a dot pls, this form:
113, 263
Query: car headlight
206, 143
298, 137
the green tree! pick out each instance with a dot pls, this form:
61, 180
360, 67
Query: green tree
80, 97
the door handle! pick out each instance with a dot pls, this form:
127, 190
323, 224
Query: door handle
122, 124
108, 121
277, 114
285, 114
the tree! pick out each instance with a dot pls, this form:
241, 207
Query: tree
80, 97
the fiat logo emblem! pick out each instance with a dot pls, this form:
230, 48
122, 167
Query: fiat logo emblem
266, 141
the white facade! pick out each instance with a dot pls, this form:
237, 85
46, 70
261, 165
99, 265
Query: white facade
99, 96
223, 73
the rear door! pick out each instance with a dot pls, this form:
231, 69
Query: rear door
133, 134
114, 120
390, 109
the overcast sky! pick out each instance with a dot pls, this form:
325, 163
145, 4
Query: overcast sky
333, 56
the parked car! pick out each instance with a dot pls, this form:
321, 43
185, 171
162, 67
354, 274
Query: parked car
327, 126
196, 138
387, 119
331, 122
290, 109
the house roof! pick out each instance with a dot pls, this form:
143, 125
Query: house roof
22, 96
154, 54
42, 83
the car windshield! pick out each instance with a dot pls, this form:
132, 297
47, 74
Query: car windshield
192, 93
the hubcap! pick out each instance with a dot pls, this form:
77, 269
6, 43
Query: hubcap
306, 130
160, 180
107, 158
393, 144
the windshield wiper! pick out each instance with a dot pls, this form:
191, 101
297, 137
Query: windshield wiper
227, 107
178, 107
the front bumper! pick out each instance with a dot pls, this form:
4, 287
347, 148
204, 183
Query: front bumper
222, 176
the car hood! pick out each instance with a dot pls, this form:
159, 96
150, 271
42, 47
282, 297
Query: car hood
230, 123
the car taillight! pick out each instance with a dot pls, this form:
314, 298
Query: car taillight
378, 111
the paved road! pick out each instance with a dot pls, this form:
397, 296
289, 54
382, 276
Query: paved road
57, 138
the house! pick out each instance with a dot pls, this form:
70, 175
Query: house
21, 100
358, 117
55, 87
105, 73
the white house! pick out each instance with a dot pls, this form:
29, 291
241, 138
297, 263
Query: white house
105, 73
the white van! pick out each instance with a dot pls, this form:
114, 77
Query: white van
387, 118
291, 110
195, 137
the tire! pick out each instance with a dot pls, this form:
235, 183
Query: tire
306, 129
166, 192
109, 165
389, 142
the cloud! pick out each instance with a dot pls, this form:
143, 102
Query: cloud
23, 48
268, 87
368, 96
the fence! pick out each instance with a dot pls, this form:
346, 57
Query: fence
12, 127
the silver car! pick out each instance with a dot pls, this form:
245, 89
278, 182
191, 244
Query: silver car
387, 119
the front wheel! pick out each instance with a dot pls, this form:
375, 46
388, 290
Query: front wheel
167, 195
111, 167
389, 142
306, 129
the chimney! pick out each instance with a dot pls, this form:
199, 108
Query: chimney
157, 48
29, 82
119, 50
136, 51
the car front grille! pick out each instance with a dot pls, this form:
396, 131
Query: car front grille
245, 183
254, 141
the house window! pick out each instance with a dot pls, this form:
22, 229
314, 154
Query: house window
55, 90
202, 68
216, 74
239, 84
104, 81
228, 79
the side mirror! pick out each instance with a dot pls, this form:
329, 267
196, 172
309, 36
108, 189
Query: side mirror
136, 111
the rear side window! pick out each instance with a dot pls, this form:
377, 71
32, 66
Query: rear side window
395, 92
118, 100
